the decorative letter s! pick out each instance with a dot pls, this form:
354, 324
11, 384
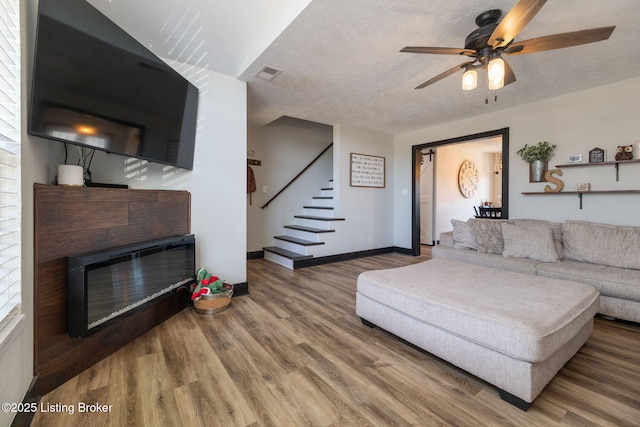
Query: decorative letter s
549, 177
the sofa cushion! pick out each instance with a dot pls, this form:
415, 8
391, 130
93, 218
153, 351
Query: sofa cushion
463, 235
610, 281
556, 229
488, 235
533, 241
470, 256
612, 245
523, 316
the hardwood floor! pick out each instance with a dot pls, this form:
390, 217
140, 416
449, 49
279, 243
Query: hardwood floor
294, 353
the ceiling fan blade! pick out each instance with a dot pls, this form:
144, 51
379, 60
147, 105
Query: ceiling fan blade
559, 41
517, 18
445, 74
439, 50
509, 75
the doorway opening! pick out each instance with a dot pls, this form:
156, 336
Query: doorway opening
425, 189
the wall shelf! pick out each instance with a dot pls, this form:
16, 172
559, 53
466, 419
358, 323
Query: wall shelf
580, 193
615, 163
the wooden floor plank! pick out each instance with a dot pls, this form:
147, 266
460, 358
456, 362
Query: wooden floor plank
294, 353
159, 404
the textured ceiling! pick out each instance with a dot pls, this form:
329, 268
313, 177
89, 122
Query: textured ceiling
341, 61
223, 36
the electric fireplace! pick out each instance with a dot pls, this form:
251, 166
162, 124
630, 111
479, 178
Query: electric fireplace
106, 284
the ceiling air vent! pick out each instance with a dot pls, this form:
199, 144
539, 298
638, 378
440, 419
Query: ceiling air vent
268, 73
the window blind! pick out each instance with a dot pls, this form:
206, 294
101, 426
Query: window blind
10, 185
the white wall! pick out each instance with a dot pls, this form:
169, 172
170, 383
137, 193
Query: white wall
493, 159
368, 211
605, 116
285, 147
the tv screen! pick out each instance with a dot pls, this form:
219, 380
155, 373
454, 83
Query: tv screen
96, 86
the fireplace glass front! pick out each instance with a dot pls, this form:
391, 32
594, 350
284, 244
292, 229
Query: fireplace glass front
107, 284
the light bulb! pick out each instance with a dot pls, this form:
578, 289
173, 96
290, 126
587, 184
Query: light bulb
85, 129
495, 71
469, 79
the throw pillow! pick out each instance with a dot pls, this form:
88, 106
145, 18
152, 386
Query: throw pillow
556, 228
462, 235
488, 235
533, 241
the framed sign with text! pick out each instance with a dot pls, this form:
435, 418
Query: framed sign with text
597, 155
367, 171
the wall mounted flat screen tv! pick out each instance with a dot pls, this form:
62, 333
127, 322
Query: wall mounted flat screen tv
96, 86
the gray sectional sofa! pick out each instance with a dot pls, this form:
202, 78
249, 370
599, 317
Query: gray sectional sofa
604, 256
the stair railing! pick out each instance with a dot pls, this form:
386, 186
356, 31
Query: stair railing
297, 176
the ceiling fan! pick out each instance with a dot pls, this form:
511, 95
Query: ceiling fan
494, 38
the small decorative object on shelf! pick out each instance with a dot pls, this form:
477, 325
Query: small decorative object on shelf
624, 152
537, 156
584, 186
211, 294
597, 155
552, 179
574, 158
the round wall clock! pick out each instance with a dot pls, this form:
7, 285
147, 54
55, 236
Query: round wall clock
468, 178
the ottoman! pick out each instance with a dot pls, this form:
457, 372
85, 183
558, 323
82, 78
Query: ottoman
513, 330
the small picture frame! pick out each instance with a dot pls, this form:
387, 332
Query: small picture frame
597, 155
574, 158
584, 186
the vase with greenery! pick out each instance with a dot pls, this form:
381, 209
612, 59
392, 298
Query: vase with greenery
537, 156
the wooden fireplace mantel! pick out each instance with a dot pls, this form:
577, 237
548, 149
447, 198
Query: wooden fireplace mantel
74, 220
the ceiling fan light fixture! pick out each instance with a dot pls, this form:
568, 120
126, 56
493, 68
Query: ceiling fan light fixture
495, 84
469, 79
495, 72
495, 36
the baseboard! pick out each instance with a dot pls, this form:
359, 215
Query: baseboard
255, 255
348, 256
240, 289
403, 251
31, 400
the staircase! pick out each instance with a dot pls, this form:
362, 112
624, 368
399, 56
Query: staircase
307, 232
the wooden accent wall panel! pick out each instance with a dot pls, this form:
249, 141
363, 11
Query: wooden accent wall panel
74, 220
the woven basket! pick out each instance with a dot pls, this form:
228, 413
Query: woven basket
213, 303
